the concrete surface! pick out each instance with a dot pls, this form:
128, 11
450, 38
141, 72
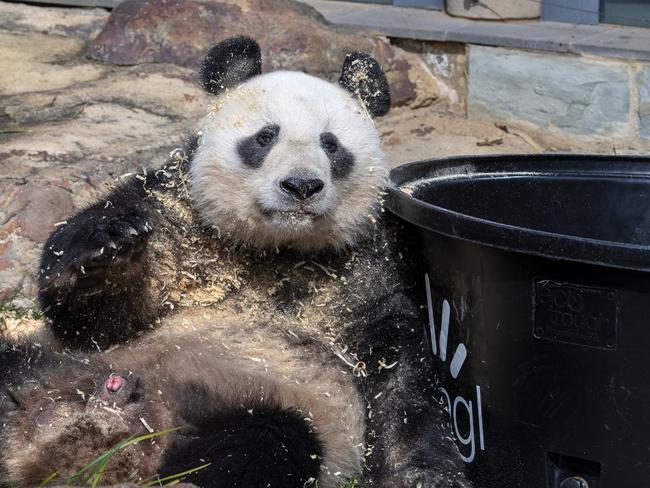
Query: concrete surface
602, 40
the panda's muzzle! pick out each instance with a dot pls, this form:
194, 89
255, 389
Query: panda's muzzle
301, 188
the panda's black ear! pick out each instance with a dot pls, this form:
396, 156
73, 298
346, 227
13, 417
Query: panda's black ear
363, 77
230, 63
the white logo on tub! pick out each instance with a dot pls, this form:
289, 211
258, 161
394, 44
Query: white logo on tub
458, 404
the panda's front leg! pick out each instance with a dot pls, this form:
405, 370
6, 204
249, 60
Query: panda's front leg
93, 278
414, 436
409, 432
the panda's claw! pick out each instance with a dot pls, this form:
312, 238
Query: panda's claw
98, 243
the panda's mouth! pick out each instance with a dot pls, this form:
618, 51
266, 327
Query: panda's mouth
298, 213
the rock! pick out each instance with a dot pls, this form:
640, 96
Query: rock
28, 213
447, 62
93, 132
42, 62
643, 80
292, 36
74, 22
35, 209
5, 262
571, 94
495, 9
424, 83
18, 263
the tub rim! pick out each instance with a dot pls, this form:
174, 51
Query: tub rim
512, 238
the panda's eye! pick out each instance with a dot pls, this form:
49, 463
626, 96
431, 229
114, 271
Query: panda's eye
265, 137
329, 142
341, 159
253, 149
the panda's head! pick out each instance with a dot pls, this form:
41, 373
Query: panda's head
288, 159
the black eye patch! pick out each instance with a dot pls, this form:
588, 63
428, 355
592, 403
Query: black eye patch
341, 159
253, 149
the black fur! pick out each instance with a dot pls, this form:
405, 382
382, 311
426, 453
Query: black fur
341, 159
19, 362
258, 445
363, 77
253, 149
230, 63
101, 247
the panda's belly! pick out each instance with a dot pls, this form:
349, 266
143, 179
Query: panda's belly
270, 342
274, 347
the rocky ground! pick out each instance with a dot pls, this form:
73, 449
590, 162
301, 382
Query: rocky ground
83, 101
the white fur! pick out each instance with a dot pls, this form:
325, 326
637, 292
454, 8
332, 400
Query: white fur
231, 196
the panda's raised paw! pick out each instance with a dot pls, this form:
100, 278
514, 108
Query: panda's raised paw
93, 242
115, 239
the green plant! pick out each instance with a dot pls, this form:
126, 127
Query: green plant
93, 473
9, 309
353, 483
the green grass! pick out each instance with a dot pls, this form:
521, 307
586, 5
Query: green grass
15, 130
93, 473
353, 483
10, 310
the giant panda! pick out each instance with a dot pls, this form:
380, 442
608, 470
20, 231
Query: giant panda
264, 237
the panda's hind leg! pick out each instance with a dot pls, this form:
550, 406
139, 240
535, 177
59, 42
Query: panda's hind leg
256, 443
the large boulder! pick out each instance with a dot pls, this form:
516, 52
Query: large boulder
292, 36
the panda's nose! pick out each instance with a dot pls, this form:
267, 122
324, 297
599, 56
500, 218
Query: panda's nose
302, 188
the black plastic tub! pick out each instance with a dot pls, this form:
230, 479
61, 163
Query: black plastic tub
537, 273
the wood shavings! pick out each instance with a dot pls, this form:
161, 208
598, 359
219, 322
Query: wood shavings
146, 425
342, 358
383, 365
190, 275
111, 349
112, 410
360, 369
328, 272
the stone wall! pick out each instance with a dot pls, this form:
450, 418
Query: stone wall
575, 96
447, 62
595, 103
